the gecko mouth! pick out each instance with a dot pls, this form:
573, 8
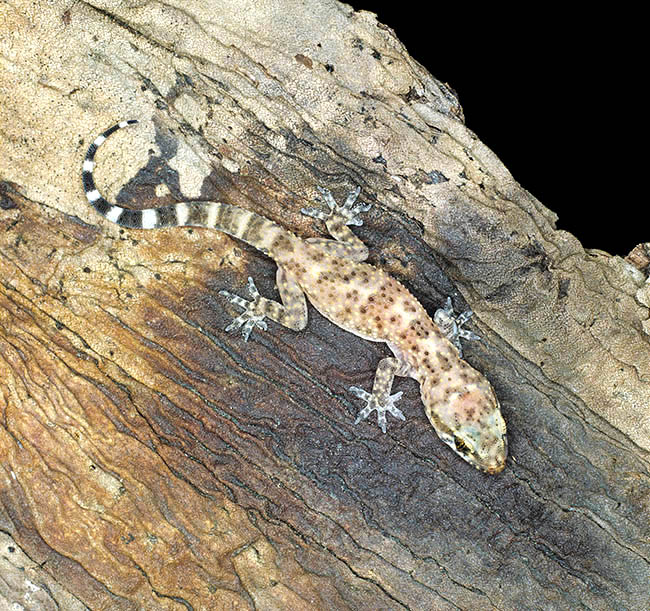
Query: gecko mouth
500, 466
493, 470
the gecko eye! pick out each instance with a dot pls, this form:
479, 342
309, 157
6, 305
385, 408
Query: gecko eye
461, 446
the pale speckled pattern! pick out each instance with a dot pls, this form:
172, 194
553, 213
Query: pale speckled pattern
459, 402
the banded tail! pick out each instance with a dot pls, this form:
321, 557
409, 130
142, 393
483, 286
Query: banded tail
256, 230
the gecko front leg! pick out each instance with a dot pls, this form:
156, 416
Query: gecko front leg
291, 313
380, 399
451, 325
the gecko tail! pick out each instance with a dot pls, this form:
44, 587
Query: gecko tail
248, 226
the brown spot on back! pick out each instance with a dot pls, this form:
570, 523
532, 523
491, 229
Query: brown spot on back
282, 243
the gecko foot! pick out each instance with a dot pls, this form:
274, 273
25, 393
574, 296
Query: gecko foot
348, 212
451, 324
252, 315
382, 402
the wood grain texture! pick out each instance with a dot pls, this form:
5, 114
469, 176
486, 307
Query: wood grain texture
150, 460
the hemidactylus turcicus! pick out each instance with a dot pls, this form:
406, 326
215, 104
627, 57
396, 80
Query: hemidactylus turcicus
459, 402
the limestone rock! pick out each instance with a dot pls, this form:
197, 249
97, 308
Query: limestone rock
150, 460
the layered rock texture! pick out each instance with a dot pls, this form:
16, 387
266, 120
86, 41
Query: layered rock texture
150, 460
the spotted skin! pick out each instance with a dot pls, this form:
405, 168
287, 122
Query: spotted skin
360, 298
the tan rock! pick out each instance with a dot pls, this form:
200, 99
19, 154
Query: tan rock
152, 461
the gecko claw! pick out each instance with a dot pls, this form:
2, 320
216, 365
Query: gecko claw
315, 213
451, 325
252, 316
381, 402
348, 211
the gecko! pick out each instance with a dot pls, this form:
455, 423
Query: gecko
332, 273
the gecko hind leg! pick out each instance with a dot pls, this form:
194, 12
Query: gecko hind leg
252, 316
345, 243
451, 325
380, 399
291, 313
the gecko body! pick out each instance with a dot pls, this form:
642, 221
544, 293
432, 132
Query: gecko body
358, 297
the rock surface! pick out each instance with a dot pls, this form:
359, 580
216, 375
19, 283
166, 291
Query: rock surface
152, 461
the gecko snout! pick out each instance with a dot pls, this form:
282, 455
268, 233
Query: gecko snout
471, 424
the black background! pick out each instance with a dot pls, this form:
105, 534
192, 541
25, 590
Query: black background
556, 94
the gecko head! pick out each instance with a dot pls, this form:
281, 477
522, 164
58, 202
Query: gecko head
469, 421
